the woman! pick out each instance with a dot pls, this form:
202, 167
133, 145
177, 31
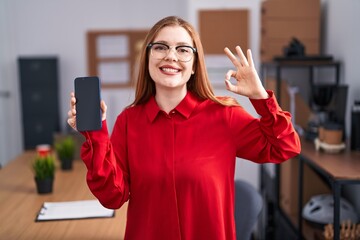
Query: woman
172, 152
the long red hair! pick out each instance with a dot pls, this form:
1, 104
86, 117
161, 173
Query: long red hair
198, 83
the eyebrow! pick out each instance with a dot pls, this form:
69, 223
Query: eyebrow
177, 44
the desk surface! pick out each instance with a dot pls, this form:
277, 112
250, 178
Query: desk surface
20, 203
345, 165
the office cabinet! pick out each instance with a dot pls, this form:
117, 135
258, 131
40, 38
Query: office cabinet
282, 20
39, 99
284, 229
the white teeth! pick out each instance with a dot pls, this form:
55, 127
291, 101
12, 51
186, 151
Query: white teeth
169, 70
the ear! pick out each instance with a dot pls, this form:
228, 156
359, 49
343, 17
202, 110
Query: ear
193, 68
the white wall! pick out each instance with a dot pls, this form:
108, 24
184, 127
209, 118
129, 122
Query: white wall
43, 27
10, 134
341, 39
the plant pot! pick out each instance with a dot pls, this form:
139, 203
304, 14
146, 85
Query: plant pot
44, 186
66, 164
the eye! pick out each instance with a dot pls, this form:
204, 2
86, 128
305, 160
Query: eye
160, 47
184, 50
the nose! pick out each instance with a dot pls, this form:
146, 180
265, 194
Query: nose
171, 55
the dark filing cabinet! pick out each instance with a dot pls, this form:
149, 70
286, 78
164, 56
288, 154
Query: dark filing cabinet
39, 99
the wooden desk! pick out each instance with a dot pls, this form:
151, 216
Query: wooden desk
339, 169
269, 183
20, 203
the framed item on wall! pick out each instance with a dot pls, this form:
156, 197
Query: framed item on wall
221, 28
113, 55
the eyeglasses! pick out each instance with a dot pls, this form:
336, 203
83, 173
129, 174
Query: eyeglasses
161, 50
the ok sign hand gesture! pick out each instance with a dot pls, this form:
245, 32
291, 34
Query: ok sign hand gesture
247, 79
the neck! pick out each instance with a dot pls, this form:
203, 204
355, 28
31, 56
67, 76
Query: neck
168, 100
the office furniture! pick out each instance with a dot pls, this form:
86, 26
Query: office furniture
248, 205
39, 99
355, 127
19, 205
309, 65
311, 173
337, 169
275, 216
282, 20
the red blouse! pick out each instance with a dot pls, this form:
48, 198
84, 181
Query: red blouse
177, 169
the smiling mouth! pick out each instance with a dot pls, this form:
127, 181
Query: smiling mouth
170, 70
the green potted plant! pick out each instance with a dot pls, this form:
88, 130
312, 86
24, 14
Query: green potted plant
44, 170
65, 150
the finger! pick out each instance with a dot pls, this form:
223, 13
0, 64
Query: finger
229, 86
72, 123
231, 56
229, 74
72, 102
103, 106
72, 113
249, 57
72, 95
240, 53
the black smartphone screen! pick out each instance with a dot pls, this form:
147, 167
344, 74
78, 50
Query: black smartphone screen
88, 111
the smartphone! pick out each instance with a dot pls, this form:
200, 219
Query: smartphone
88, 111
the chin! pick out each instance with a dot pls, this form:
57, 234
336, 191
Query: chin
171, 86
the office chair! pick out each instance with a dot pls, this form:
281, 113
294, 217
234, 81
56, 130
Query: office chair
248, 206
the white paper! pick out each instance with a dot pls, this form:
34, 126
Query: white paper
73, 210
114, 72
112, 46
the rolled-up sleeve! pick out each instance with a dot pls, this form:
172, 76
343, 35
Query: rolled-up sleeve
270, 138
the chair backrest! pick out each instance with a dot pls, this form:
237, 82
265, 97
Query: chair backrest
248, 206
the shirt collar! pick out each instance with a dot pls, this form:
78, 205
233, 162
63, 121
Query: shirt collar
185, 107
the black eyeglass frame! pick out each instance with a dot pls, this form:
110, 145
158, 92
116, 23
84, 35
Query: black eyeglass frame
176, 48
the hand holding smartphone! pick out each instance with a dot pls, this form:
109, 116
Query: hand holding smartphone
88, 111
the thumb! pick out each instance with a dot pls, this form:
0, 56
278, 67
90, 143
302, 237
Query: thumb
229, 86
228, 76
103, 109
72, 123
